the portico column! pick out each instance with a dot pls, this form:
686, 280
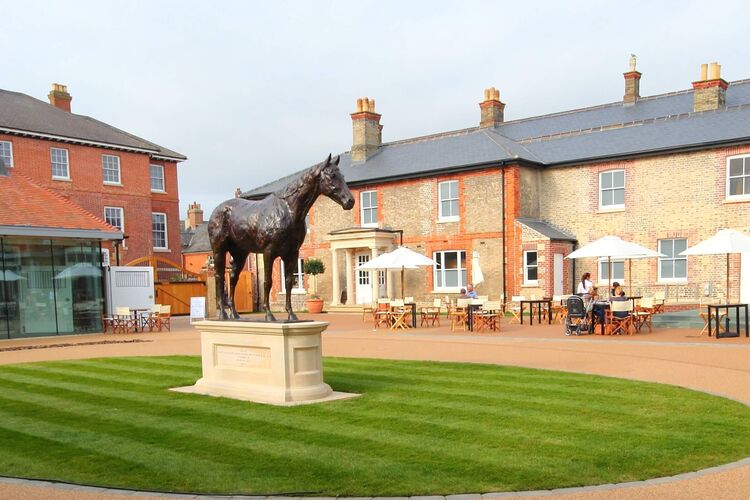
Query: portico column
335, 277
374, 277
350, 299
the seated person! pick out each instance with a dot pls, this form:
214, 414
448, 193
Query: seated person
615, 286
598, 309
618, 295
470, 291
462, 294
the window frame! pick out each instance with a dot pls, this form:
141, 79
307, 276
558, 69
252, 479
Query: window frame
122, 217
734, 197
601, 281
449, 218
372, 193
674, 258
462, 271
300, 288
67, 164
10, 149
166, 232
119, 171
613, 206
151, 178
526, 267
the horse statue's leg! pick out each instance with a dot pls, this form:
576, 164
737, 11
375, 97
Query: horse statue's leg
238, 262
290, 265
268, 275
220, 264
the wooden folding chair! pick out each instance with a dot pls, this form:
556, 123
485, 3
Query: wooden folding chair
703, 313
382, 314
459, 315
164, 318
659, 299
431, 314
123, 320
151, 320
618, 324
399, 314
489, 317
514, 307
368, 310
644, 314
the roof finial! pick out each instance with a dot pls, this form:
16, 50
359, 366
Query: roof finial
632, 62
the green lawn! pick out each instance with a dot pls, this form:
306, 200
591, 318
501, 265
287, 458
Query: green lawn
419, 428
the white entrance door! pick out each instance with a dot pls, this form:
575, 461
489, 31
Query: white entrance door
745, 279
558, 274
364, 286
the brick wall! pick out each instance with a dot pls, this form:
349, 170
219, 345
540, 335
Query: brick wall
678, 195
87, 189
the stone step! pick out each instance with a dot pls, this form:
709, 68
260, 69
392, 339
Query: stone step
346, 308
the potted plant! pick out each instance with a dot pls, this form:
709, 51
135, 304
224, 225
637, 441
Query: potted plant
314, 267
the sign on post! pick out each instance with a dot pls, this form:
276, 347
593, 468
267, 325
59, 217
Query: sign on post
197, 308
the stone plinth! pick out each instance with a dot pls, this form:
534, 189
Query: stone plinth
274, 363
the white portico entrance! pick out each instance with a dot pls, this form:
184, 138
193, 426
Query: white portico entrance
358, 246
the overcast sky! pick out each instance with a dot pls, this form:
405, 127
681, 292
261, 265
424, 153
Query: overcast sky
252, 91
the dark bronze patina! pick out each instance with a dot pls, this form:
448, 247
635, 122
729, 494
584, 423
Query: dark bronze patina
273, 226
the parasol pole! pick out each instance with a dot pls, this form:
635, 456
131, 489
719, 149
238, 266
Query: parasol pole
630, 277
402, 282
729, 301
609, 275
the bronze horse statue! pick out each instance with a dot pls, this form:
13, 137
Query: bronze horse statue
273, 226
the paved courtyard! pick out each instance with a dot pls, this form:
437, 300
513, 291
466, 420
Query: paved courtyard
672, 356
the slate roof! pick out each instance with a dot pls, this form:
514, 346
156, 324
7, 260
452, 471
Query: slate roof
199, 242
29, 208
546, 229
653, 124
21, 113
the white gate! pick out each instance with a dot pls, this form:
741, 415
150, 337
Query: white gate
364, 286
557, 273
130, 287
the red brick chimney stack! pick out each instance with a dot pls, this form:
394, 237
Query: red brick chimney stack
492, 109
194, 216
59, 97
367, 132
632, 83
710, 93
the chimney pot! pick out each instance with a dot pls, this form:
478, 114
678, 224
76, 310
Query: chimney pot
704, 73
487, 96
359, 105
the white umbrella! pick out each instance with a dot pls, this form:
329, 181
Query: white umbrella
613, 247
399, 259
725, 241
476, 271
80, 270
9, 275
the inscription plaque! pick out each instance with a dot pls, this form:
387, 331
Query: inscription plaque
237, 356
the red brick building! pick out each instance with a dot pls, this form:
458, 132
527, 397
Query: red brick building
127, 181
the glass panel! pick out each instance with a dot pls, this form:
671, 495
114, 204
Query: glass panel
444, 191
454, 207
747, 167
667, 269
735, 167
446, 208
454, 189
603, 271
450, 260
679, 246
680, 268
451, 278
532, 274
606, 198
463, 278
531, 258
667, 247
78, 286
6, 300
736, 186
606, 180
618, 270
438, 279
747, 186
618, 178
29, 289
619, 197
438, 258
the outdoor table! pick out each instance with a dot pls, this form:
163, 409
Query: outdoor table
413, 307
716, 307
539, 303
634, 298
602, 321
140, 320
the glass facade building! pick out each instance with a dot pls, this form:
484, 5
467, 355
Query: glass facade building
50, 287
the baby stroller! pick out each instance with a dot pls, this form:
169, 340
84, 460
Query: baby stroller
577, 321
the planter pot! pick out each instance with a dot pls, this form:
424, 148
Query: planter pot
315, 306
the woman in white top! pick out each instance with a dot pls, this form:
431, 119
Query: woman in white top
585, 286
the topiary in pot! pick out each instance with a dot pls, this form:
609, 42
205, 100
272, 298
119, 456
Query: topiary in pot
314, 267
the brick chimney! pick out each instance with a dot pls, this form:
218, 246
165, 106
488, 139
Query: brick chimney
367, 130
492, 109
632, 83
59, 97
710, 93
194, 216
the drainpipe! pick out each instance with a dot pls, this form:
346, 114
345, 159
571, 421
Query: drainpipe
505, 236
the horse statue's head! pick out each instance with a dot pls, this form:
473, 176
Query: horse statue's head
332, 184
